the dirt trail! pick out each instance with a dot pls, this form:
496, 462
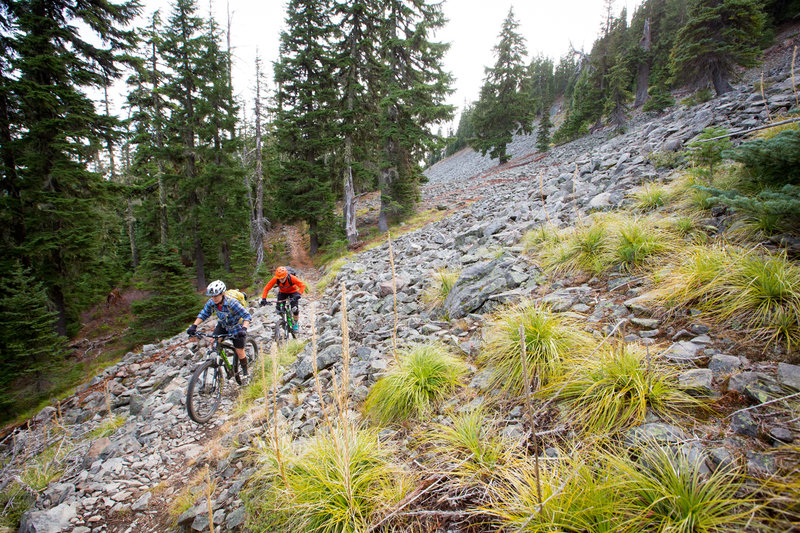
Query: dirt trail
300, 260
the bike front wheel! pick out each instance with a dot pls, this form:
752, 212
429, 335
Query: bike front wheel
204, 393
281, 335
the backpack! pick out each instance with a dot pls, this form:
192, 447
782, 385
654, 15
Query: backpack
238, 295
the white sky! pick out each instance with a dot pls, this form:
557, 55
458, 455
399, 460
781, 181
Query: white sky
548, 27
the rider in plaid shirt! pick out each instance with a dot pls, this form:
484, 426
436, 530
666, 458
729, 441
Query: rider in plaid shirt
232, 318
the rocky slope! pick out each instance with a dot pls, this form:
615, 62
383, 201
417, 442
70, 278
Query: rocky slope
126, 480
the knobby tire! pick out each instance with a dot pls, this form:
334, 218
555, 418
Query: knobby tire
251, 352
204, 394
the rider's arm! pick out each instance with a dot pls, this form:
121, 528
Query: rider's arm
269, 285
300, 285
204, 313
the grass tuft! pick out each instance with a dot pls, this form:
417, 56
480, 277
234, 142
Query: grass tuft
442, 281
474, 440
669, 492
755, 291
549, 339
423, 376
339, 484
650, 196
580, 493
617, 388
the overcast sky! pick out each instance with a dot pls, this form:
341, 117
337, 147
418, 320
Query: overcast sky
474, 26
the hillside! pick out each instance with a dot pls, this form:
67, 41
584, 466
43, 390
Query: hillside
121, 455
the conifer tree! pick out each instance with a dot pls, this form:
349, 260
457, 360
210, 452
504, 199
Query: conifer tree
171, 302
305, 118
29, 343
356, 56
719, 36
503, 107
543, 133
225, 210
182, 46
60, 211
413, 87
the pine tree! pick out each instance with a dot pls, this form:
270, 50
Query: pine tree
413, 87
719, 36
305, 118
29, 343
503, 107
171, 302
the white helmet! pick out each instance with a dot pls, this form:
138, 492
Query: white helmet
215, 288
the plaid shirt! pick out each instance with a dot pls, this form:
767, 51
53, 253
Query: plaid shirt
230, 314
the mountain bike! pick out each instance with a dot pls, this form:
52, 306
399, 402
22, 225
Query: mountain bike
204, 393
284, 327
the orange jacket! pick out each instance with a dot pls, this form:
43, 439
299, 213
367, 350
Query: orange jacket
292, 285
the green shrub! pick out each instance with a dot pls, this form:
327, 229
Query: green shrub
705, 152
667, 160
771, 161
424, 375
549, 339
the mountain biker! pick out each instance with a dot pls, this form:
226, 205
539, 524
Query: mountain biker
289, 287
232, 318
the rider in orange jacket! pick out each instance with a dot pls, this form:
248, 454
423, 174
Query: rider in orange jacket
289, 287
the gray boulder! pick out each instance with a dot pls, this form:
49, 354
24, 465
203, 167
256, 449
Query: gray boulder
49, 521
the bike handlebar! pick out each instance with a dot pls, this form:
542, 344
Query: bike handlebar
211, 335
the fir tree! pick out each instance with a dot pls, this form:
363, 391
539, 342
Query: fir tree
183, 45
356, 57
60, 211
719, 36
29, 343
171, 302
413, 86
543, 134
305, 118
774, 161
503, 107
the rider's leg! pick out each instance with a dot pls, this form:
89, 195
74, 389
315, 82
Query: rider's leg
295, 303
238, 347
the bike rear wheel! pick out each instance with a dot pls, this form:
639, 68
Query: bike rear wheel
251, 353
204, 393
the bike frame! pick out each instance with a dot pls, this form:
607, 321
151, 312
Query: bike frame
219, 348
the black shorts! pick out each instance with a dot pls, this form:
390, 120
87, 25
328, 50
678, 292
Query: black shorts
293, 297
238, 342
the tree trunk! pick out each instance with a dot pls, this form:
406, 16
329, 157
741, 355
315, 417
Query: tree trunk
720, 79
643, 76
258, 231
162, 192
349, 206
